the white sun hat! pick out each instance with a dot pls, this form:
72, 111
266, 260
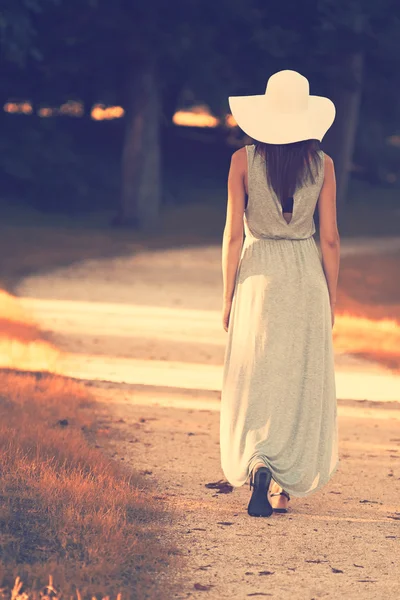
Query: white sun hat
286, 113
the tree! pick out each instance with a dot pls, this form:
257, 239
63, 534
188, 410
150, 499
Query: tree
367, 35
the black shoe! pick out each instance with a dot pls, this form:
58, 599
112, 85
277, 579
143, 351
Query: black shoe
259, 505
282, 493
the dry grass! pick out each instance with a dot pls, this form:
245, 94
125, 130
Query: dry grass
21, 342
368, 300
66, 510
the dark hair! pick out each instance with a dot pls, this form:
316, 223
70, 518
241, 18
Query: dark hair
289, 165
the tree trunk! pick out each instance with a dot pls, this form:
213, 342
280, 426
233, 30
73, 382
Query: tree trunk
141, 157
340, 139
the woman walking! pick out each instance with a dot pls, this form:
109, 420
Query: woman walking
278, 424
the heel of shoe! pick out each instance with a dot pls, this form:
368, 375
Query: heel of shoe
259, 505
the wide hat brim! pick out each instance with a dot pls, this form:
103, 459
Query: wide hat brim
256, 118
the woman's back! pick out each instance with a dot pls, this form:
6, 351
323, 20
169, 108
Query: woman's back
263, 214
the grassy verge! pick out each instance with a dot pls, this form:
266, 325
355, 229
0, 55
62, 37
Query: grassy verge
66, 510
368, 299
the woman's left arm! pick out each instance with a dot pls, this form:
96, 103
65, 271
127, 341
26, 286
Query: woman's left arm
233, 233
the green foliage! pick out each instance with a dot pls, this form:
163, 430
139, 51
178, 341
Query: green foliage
44, 164
18, 33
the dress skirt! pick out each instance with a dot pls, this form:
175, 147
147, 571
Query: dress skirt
278, 401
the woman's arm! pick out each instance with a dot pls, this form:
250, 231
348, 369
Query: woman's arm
328, 231
233, 233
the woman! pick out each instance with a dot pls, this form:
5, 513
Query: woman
278, 421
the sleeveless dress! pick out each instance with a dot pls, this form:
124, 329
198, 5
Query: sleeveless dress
278, 400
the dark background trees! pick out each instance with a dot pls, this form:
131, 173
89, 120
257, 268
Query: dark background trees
152, 58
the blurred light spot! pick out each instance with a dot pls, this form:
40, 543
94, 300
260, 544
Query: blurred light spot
100, 112
19, 107
394, 140
197, 116
230, 121
72, 108
11, 107
46, 111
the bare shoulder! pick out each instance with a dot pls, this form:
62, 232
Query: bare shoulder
329, 169
239, 157
328, 160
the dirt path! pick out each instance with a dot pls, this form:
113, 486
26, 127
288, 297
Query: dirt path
342, 542
156, 316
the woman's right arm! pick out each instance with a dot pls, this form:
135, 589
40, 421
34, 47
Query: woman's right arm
328, 231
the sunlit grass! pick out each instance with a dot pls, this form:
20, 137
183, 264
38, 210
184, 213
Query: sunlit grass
67, 510
369, 338
21, 343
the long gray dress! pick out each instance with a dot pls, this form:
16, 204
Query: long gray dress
278, 401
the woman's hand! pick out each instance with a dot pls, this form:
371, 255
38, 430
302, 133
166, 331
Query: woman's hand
226, 311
